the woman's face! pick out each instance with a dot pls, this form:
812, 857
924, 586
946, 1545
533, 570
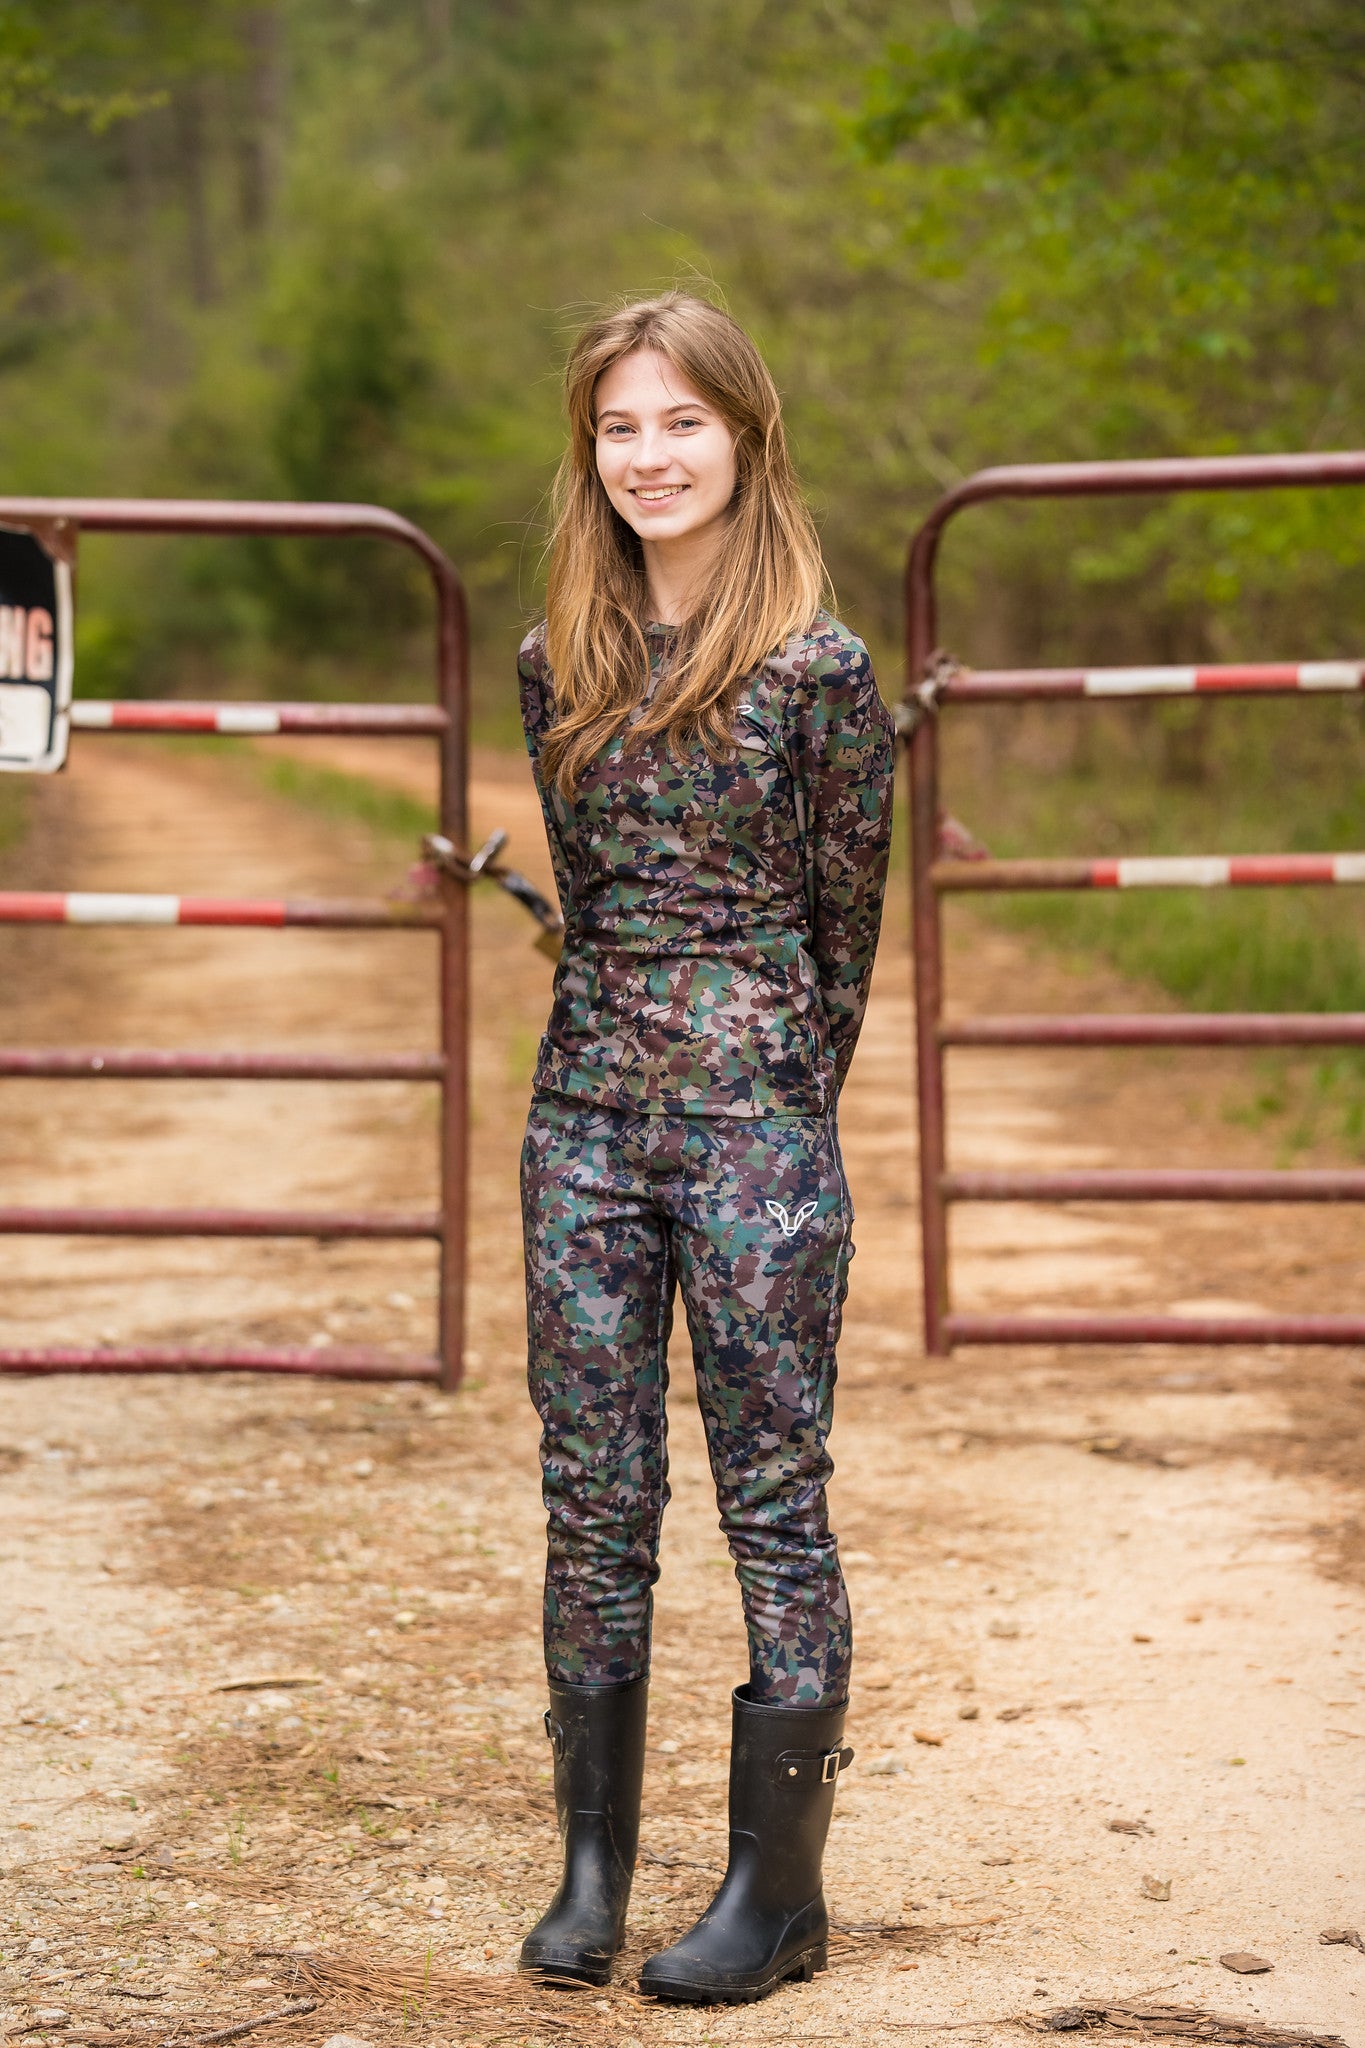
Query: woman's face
666, 458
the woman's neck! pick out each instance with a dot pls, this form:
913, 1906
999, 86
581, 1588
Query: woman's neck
677, 573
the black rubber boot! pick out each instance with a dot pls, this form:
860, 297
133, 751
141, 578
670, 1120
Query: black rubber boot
768, 1920
598, 1732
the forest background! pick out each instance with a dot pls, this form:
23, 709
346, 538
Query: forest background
334, 248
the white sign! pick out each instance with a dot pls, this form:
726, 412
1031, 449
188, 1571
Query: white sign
35, 654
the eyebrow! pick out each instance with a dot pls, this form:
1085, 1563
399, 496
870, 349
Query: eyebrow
616, 412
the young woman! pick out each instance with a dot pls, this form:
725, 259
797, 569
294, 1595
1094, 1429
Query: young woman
715, 767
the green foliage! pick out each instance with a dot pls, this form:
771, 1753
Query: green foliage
74, 59
522, 80
13, 810
357, 366
357, 380
1204, 161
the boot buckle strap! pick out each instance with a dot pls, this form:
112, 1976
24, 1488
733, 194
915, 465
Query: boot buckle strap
555, 1733
817, 1766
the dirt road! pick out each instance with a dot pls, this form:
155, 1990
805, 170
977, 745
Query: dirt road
1089, 1589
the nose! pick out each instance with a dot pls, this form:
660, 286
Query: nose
651, 452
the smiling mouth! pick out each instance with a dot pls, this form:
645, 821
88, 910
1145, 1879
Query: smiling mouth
659, 495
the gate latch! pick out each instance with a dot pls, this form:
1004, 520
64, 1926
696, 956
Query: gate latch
485, 865
921, 701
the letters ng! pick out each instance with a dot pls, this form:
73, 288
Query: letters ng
26, 645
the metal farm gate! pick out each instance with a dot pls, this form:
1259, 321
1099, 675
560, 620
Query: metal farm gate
444, 914
936, 683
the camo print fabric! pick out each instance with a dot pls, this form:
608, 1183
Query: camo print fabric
751, 1220
721, 916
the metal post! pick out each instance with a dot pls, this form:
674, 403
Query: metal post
452, 657
927, 944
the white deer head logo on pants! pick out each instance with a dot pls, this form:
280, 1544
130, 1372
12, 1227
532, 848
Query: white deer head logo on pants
791, 1224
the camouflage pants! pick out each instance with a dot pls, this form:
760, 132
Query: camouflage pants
751, 1220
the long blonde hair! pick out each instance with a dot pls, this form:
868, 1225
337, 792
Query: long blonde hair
768, 581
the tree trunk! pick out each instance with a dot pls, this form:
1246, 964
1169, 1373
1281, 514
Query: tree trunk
191, 111
259, 133
439, 19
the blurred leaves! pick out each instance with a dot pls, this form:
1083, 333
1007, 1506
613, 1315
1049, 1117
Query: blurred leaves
1209, 156
93, 63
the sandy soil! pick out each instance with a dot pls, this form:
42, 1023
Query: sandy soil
1089, 1588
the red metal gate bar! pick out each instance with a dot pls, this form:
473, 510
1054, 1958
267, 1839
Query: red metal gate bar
1154, 871
215, 1223
1229, 679
339, 1362
1219, 1027
18, 906
932, 680
1157, 1184
1144, 1329
447, 914
89, 714
118, 1064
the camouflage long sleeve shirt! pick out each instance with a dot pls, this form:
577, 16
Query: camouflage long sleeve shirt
721, 916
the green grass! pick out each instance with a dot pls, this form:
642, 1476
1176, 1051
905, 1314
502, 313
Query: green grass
14, 795
1277, 951
344, 798
1231, 777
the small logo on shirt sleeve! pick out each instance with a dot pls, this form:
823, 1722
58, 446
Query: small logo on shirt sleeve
790, 1224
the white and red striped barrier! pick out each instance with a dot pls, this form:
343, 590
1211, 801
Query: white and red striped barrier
1183, 682
88, 715
1159, 871
22, 906
95, 715
1229, 679
1231, 871
86, 907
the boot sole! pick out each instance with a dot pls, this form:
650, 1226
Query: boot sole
679, 1991
567, 1976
